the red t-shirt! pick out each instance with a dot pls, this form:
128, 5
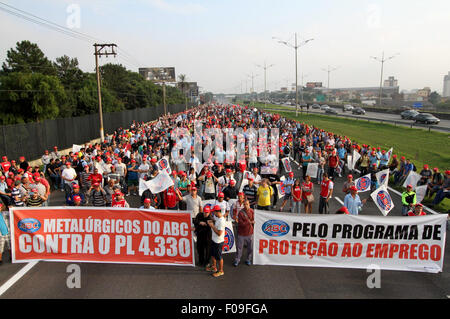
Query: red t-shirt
170, 197
6, 166
120, 203
297, 192
308, 187
410, 213
324, 190
332, 161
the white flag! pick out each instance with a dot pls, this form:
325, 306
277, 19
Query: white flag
160, 183
350, 162
229, 245
76, 148
163, 164
382, 177
412, 179
420, 193
286, 164
389, 154
363, 183
356, 157
280, 187
142, 186
383, 200
312, 169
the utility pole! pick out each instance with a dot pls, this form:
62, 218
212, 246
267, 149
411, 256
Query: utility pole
295, 47
253, 88
382, 60
329, 71
101, 49
265, 67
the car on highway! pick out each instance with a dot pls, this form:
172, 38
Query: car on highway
409, 114
348, 107
359, 110
426, 118
324, 107
315, 106
330, 110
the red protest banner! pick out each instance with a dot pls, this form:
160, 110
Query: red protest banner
104, 235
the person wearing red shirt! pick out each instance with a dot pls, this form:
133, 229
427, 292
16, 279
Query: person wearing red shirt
333, 162
118, 200
245, 221
296, 197
171, 198
6, 165
418, 211
307, 194
95, 177
326, 191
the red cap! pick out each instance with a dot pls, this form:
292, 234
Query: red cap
344, 210
291, 174
350, 176
217, 208
34, 190
402, 157
409, 186
419, 204
2, 178
147, 200
193, 188
250, 179
76, 186
241, 194
232, 182
425, 166
394, 156
209, 174
77, 198
447, 172
68, 163
228, 170
221, 194
435, 169
153, 160
207, 209
96, 184
353, 188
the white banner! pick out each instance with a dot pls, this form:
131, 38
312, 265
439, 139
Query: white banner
412, 179
382, 177
348, 241
363, 183
312, 169
420, 193
383, 200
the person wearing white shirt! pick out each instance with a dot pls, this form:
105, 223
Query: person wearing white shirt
69, 176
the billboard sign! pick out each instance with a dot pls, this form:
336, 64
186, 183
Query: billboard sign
158, 74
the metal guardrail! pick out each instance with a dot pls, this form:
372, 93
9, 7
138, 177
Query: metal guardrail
370, 119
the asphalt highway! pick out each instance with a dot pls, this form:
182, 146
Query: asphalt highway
47, 280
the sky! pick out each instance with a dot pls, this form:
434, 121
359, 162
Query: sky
220, 43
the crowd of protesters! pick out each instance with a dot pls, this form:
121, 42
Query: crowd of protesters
107, 174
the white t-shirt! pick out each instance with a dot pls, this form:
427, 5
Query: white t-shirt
219, 223
144, 167
69, 173
224, 206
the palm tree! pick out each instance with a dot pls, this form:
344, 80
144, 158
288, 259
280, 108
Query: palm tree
182, 82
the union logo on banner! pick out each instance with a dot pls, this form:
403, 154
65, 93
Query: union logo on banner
228, 244
363, 184
384, 200
163, 164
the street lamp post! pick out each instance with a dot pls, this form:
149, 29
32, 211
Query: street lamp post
382, 60
329, 70
295, 46
265, 67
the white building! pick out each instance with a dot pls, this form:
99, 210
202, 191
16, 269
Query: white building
446, 91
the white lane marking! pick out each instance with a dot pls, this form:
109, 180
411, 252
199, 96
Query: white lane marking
339, 200
17, 276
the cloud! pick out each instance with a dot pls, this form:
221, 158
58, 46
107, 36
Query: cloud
185, 9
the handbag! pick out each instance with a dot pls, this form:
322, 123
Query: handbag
310, 198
